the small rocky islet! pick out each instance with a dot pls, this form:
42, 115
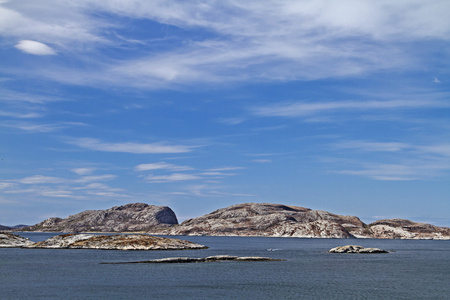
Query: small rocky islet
101, 242
215, 258
356, 249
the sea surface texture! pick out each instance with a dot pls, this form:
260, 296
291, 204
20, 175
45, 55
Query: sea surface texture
418, 269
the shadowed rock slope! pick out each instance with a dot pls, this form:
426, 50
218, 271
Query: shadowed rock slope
263, 219
132, 217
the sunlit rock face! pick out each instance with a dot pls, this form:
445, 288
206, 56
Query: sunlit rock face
132, 217
10, 240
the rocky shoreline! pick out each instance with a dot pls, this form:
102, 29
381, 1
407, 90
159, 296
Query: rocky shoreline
101, 242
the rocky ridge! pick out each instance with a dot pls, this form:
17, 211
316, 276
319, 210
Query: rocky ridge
134, 217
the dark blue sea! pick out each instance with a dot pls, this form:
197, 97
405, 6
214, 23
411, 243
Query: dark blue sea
416, 270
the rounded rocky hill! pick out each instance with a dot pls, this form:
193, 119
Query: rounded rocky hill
264, 219
126, 218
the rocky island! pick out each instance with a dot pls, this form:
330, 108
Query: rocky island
277, 220
215, 258
11, 240
115, 242
247, 219
356, 249
101, 242
133, 217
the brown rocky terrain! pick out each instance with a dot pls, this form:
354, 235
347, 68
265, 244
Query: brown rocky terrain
134, 217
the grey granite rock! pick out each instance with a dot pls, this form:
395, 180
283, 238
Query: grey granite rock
216, 258
134, 217
264, 219
115, 242
356, 249
11, 240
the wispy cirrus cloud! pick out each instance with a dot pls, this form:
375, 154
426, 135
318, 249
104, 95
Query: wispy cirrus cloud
20, 115
41, 179
397, 161
36, 127
171, 177
301, 40
82, 187
161, 166
300, 109
128, 147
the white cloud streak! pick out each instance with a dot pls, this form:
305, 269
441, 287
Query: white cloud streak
412, 162
299, 109
138, 148
41, 179
161, 166
83, 171
171, 178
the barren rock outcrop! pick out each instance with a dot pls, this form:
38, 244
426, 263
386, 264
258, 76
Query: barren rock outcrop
114, 242
277, 220
356, 249
132, 217
264, 219
215, 258
10, 240
405, 229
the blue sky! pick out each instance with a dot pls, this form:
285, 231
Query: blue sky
335, 105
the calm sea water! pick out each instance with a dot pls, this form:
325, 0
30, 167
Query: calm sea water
416, 270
